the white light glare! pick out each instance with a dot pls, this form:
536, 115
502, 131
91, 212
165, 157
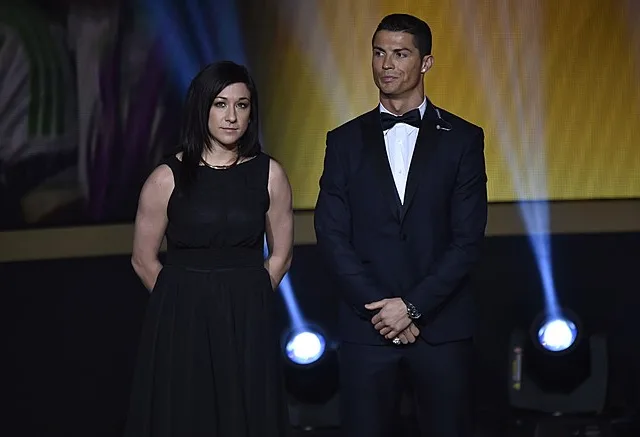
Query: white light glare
305, 347
557, 335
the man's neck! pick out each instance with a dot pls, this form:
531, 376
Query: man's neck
398, 105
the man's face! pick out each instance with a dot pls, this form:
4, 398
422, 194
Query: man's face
397, 64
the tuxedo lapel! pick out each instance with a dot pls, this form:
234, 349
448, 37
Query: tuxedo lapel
426, 143
374, 145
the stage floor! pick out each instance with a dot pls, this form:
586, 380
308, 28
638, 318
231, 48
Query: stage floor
616, 430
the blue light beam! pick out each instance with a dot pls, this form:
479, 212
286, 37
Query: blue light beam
295, 315
528, 168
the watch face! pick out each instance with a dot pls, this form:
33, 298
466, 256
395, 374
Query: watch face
413, 313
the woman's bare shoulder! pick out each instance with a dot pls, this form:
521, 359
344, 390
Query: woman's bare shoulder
278, 181
276, 170
160, 182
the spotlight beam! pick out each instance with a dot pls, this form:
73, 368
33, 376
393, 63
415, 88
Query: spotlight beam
182, 59
228, 30
205, 48
527, 162
304, 20
295, 315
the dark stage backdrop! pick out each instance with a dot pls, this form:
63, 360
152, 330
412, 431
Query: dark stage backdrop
73, 325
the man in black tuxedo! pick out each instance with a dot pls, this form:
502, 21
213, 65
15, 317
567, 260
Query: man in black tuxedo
400, 218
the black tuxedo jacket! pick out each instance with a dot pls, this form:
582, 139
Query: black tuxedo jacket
422, 250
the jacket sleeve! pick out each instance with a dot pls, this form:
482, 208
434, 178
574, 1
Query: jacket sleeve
333, 233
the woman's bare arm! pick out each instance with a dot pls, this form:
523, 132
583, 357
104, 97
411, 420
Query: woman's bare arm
279, 224
150, 225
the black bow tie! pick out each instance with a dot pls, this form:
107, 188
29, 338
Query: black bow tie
411, 118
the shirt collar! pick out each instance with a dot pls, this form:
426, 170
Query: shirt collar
422, 108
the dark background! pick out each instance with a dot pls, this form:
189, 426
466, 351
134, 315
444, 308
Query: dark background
73, 326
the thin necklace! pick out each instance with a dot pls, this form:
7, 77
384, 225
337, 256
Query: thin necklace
223, 167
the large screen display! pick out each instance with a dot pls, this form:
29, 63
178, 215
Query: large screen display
91, 93
555, 85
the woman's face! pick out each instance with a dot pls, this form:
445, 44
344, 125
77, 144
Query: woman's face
229, 114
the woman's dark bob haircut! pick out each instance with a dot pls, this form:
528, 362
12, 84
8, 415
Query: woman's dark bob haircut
194, 133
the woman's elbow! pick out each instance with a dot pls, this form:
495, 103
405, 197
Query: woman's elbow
287, 262
138, 264
281, 264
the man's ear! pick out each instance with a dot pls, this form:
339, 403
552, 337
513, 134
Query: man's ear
427, 63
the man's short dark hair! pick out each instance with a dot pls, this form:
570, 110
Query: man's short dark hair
410, 24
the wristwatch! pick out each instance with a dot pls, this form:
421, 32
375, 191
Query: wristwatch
412, 311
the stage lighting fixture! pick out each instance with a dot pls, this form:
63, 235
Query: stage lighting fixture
557, 334
305, 347
311, 378
557, 370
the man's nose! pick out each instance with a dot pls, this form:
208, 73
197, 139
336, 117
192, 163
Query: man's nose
387, 64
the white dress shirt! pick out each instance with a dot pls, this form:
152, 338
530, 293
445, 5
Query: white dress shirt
400, 142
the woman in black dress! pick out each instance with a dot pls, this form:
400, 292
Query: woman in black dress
209, 356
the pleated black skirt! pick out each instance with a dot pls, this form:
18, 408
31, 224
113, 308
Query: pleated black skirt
209, 357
